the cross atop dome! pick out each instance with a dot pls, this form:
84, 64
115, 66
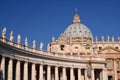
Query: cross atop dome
76, 18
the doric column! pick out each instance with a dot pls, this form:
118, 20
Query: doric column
101, 76
64, 73
10, 70
56, 72
18, 70
48, 73
33, 72
86, 74
79, 74
41, 72
71, 73
25, 71
115, 69
92, 72
3, 67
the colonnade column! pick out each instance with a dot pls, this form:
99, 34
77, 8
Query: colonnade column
18, 70
64, 73
79, 74
41, 72
25, 71
48, 73
86, 74
33, 72
10, 70
71, 73
3, 67
56, 72
115, 69
93, 75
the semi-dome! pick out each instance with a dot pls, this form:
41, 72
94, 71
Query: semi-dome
77, 29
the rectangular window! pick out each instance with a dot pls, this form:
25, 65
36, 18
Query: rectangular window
100, 48
109, 64
62, 47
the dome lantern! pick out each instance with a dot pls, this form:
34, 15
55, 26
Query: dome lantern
76, 18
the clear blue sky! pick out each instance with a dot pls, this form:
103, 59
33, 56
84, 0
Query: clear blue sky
41, 19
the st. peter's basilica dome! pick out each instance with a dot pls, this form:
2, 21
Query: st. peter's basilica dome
77, 29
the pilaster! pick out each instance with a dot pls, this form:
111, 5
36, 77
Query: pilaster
115, 69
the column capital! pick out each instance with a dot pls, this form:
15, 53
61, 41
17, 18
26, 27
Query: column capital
104, 68
49, 65
115, 59
92, 68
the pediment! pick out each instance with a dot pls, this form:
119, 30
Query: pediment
109, 49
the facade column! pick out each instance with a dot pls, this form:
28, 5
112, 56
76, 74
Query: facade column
25, 71
41, 72
64, 73
86, 74
71, 73
18, 70
33, 76
79, 74
56, 72
10, 70
93, 75
103, 74
115, 69
48, 73
3, 67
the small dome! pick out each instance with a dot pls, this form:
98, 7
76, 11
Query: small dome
77, 29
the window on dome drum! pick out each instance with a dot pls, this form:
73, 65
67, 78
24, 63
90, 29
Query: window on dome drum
116, 47
87, 47
62, 47
76, 48
100, 48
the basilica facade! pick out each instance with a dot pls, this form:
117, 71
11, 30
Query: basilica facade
74, 55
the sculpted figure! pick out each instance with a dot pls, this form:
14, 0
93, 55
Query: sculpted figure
19, 39
53, 39
41, 46
26, 42
11, 36
4, 32
34, 44
102, 38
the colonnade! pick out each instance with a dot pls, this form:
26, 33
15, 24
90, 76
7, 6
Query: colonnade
20, 70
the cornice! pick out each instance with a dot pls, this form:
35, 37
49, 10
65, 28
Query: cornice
12, 51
